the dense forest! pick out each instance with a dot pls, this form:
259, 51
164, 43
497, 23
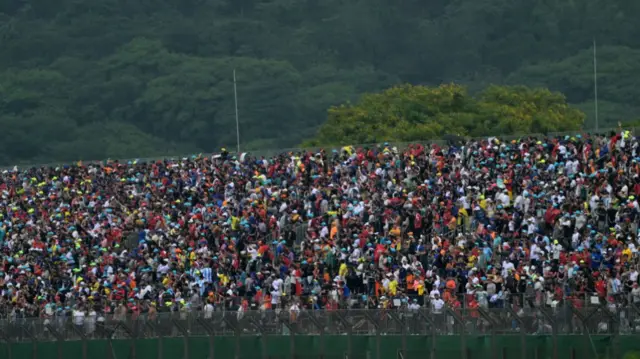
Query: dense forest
91, 79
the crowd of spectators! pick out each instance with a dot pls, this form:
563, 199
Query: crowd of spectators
474, 224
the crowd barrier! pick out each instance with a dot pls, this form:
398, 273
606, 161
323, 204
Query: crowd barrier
333, 347
535, 333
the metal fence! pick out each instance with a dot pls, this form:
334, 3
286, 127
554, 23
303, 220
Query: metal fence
597, 320
532, 333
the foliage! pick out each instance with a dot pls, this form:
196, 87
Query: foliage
109, 78
409, 113
618, 68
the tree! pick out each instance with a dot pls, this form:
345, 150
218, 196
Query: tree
409, 113
161, 70
618, 68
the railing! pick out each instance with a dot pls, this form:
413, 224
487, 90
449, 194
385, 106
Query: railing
479, 321
504, 333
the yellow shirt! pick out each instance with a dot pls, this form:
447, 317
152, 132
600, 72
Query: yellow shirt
235, 223
393, 287
343, 270
223, 279
472, 261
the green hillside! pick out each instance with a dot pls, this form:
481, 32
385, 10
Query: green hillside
94, 79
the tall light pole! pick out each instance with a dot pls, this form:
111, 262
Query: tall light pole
595, 83
235, 96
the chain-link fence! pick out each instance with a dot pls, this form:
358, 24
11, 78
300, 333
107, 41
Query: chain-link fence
504, 333
567, 319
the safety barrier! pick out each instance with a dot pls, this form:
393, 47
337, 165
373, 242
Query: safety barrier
503, 333
332, 347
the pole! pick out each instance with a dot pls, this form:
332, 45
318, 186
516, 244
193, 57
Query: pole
235, 96
595, 83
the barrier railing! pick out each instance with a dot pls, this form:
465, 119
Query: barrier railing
565, 319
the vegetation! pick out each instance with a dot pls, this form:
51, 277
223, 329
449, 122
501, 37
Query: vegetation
84, 79
410, 113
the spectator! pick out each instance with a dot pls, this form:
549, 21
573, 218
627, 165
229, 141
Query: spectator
480, 224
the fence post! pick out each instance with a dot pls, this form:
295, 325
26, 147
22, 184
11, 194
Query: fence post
555, 341
434, 350
554, 331
493, 328
211, 344
320, 327
186, 345
236, 328
523, 339
494, 342
403, 325
134, 338
349, 327
132, 348
463, 336
349, 342
378, 340
427, 318
322, 343
292, 343
265, 342
237, 351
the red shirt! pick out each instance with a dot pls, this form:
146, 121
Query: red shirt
601, 288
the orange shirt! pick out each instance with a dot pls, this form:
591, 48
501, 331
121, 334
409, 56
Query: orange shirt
334, 232
409, 281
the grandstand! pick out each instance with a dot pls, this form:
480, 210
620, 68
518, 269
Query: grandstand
476, 248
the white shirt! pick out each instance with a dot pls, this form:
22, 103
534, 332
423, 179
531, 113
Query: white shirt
91, 319
208, 311
78, 317
275, 296
635, 294
519, 203
557, 248
433, 293
438, 304
534, 252
253, 252
504, 199
277, 284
